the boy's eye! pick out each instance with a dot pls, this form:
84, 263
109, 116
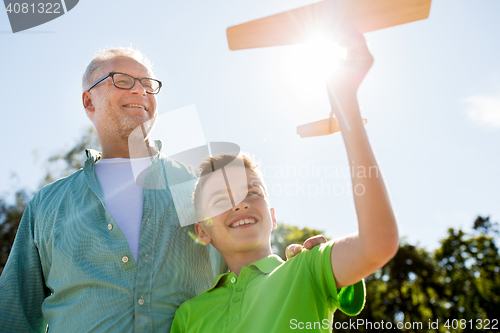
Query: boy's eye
254, 192
220, 200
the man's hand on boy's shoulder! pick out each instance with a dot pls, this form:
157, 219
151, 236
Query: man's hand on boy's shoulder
293, 249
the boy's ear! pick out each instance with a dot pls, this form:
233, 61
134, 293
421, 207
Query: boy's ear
202, 233
273, 219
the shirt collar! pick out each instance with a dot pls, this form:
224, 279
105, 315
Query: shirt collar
269, 264
93, 155
265, 266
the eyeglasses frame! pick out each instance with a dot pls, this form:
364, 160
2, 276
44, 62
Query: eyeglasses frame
111, 74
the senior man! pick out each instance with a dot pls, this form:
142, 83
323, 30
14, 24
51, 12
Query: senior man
94, 251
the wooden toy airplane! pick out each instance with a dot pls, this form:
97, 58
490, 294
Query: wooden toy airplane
296, 25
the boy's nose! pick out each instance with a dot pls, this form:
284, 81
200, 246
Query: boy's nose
242, 205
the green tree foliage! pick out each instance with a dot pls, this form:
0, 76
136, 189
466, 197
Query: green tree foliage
485, 226
470, 267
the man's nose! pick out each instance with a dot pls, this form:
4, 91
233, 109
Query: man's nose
137, 88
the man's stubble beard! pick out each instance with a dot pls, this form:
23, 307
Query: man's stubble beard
124, 124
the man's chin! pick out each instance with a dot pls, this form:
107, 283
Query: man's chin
138, 128
138, 121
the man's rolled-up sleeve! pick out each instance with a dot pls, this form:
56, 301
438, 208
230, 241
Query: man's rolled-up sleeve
22, 287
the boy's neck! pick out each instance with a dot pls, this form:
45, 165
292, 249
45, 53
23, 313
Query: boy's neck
236, 261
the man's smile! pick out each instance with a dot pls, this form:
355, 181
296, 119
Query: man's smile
134, 105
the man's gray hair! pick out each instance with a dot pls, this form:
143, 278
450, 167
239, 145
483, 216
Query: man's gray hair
107, 54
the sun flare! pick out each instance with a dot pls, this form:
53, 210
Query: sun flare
303, 70
324, 54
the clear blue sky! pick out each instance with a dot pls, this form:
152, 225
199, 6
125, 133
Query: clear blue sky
432, 100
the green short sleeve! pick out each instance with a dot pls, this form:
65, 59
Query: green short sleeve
179, 323
351, 299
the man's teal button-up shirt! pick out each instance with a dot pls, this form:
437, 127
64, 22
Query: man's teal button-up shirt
71, 266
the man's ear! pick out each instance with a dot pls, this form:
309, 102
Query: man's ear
88, 105
202, 234
273, 219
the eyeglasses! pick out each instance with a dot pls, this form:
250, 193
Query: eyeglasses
125, 81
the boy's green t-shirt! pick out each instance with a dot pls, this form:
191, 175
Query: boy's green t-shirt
273, 296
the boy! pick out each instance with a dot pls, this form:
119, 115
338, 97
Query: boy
263, 294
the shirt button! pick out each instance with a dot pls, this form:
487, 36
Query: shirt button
239, 289
147, 222
146, 257
236, 300
233, 279
141, 301
110, 226
125, 259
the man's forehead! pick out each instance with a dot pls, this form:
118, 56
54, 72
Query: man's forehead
125, 65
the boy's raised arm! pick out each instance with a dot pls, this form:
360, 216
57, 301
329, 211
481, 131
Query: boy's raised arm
358, 255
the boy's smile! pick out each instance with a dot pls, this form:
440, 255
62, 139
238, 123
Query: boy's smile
243, 221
